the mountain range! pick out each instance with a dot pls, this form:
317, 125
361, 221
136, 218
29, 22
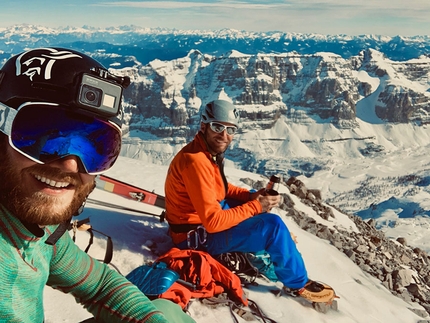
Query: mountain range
312, 106
147, 44
346, 116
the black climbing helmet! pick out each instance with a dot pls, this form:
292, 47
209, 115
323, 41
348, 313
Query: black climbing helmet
56, 102
63, 76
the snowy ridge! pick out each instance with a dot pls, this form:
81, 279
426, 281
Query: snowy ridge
138, 239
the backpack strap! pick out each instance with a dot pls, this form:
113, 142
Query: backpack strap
59, 231
254, 312
84, 226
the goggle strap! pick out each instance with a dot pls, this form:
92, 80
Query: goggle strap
7, 114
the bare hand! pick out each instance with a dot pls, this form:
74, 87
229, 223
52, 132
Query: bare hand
254, 195
267, 201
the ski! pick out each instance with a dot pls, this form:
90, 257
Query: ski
129, 191
120, 207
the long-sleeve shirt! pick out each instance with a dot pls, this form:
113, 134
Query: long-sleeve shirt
194, 189
27, 264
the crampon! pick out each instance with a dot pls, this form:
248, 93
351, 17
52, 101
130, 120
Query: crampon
321, 296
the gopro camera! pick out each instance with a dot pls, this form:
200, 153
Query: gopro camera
99, 95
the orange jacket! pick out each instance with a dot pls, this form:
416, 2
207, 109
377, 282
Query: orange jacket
194, 188
209, 277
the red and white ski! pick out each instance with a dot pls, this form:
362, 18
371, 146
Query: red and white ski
129, 191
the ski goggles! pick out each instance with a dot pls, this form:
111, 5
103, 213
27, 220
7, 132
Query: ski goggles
44, 132
219, 127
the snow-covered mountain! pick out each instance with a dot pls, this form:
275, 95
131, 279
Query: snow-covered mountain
310, 101
317, 107
302, 115
345, 115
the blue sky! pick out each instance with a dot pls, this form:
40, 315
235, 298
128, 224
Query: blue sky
351, 17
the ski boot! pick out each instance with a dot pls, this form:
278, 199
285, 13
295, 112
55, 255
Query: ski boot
320, 295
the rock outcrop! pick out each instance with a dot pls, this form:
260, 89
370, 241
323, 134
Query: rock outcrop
403, 270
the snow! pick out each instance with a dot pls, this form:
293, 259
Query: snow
137, 237
300, 136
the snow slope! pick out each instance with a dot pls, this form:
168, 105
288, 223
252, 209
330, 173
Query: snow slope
138, 237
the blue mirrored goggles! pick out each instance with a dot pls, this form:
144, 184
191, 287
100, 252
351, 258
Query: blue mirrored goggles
44, 132
219, 127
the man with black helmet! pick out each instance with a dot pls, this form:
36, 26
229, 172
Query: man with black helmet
60, 125
206, 212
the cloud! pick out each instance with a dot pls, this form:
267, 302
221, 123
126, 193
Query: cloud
416, 9
353, 17
258, 5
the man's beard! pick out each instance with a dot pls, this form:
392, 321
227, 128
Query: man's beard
212, 149
37, 208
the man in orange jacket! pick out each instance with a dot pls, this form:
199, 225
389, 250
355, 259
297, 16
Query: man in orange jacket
205, 212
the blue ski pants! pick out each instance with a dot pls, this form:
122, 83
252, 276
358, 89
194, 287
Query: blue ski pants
263, 232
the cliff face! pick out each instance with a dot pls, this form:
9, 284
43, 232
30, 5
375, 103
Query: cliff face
297, 111
324, 85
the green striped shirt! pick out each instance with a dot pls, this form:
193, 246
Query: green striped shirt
27, 264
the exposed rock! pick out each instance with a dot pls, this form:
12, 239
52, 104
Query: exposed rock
401, 269
401, 241
402, 277
316, 193
325, 85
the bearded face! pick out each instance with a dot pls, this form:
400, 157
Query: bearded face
217, 142
41, 194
